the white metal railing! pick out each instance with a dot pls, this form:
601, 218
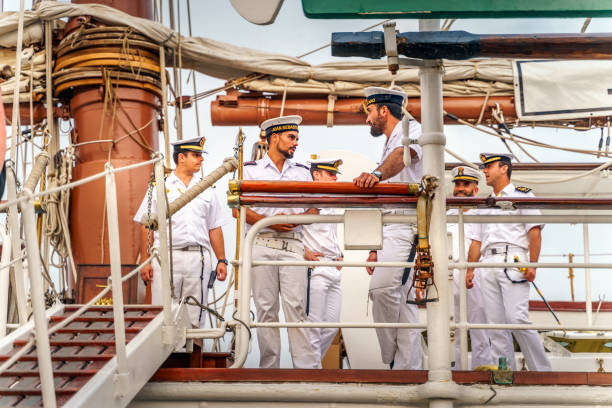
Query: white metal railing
247, 262
40, 329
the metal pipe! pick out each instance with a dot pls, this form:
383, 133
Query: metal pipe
432, 141
374, 394
164, 262
587, 274
112, 216
37, 297
355, 325
4, 279
236, 109
463, 348
451, 265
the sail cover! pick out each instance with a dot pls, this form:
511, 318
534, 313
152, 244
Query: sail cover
553, 90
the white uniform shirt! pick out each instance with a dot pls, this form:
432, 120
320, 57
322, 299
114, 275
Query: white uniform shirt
323, 238
497, 235
192, 223
453, 229
265, 169
414, 172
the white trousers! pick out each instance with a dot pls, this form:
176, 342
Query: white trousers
479, 338
325, 305
290, 283
400, 346
507, 302
191, 272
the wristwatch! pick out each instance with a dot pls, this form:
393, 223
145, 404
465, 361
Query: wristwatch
378, 174
222, 261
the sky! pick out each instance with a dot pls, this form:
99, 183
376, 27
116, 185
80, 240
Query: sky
293, 34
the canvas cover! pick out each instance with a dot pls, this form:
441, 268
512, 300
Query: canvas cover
554, 90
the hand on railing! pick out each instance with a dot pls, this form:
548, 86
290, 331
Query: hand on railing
283, 227
146, 274
372, 257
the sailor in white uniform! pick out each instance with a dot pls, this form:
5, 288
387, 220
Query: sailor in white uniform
196, 230
321, 243
280, 242
389, 287
465, 184
505, 291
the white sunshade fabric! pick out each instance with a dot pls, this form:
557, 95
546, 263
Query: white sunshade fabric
553, 89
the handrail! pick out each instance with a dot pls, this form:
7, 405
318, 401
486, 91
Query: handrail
248, 262
323, 187
74, 315
360, 200
80, 182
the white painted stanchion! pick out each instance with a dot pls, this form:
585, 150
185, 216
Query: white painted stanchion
462, 295
43, 351
587, 274
164, 261
114, 249
4, 279
433, 140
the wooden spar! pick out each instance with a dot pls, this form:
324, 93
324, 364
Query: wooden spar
362, 200
326, 187
461, 45
244, 109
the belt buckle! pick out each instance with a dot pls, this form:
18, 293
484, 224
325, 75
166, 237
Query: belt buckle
285, 245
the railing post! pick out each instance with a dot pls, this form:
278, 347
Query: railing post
43, 350
122, 374
587, 274
433, 140
243, 296
4, 279
164, 262
463, 331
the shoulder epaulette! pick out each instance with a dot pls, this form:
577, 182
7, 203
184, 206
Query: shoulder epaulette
249, 163
302, 165
522, 189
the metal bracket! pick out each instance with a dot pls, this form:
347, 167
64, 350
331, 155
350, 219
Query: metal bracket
505, 205
391, 47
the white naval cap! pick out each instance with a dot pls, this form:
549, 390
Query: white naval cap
487, 158
195, 145
331, 165
465, 173
375, 94
281, 124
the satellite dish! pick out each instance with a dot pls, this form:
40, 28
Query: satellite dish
260, 12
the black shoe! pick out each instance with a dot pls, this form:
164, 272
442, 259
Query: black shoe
392, 364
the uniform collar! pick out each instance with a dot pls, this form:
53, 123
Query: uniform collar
506, 191
173, 179
396, 129
267, 161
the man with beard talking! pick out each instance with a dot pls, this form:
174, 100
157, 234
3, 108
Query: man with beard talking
280, 242
389, 287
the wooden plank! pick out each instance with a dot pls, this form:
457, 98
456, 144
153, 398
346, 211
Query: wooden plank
549, 378
291, 375
35, 373
97, 357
